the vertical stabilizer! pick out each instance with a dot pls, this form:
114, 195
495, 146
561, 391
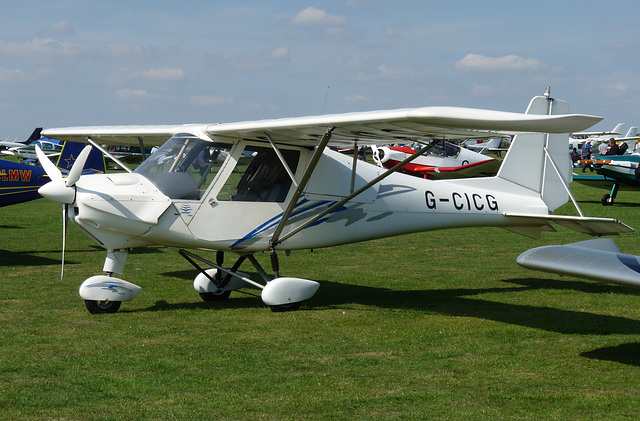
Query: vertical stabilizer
540, 161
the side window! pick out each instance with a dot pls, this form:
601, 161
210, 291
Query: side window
259, 176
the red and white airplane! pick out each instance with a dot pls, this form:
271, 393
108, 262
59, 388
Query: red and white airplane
443, 160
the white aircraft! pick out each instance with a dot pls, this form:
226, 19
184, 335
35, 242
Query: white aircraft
51, 149
630, 138
296, 193
484, 147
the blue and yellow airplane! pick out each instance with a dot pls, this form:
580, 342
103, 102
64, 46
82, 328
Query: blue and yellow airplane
20, 182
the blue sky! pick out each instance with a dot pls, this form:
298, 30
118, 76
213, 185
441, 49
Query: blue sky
72, 62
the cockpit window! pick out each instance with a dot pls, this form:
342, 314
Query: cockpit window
184, 166
444, 149
259, 176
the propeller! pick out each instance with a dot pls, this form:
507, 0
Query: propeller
62, 190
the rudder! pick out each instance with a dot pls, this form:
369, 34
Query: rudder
540, 161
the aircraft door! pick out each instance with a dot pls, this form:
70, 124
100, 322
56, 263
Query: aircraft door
247, 194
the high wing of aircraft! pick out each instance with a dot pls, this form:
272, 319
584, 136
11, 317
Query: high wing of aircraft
598, 259
293, 192
20, 182
443, 160
616, 172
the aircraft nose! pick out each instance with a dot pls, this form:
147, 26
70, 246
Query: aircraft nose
57, 191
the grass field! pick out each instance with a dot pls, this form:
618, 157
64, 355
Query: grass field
440, 325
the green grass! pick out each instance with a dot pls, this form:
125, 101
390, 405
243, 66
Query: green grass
440, 325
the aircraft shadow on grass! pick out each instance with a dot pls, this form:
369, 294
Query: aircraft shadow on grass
624, 354
458, 302
25, 258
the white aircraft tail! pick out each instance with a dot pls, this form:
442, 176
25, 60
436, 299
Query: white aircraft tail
540, 161
619, 129
633, 131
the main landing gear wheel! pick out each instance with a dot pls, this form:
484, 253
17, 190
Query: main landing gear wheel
102, 307
607, 200
218, 295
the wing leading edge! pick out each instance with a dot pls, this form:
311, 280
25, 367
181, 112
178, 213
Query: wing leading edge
374, 127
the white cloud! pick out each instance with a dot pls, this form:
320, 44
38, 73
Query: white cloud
476, 62
313, 16
8, 75
130, 94
42, 47
125, 75
61, 28
280, 53
210, 100
127, 51
163, 74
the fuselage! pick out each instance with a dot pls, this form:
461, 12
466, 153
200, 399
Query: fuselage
184, 196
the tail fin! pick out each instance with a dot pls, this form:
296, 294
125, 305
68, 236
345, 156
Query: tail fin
34, 136
540, 161
95, 163
619, 129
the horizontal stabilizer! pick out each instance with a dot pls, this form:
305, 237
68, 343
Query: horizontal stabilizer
598, 259
586, 225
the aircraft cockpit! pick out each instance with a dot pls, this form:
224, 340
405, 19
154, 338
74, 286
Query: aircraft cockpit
442, 148
185, 166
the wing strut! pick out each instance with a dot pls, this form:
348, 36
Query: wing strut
113, 158
553, 164
142, 151
300, 186
347, 198
282, 160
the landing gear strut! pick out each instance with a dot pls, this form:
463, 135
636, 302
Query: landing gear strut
280, 294
607, 199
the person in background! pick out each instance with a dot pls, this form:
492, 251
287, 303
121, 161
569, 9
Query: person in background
585, 153
602, 148
575, 157
613, 148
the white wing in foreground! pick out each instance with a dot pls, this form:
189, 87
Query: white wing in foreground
598, 259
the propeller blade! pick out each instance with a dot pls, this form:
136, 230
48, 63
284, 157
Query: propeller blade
78, 166
65, 217
52, 171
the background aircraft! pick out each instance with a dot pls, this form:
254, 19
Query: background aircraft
443, 160
296, 193
486, 146
616, 172
596, 138
5, 144
20, 182
51, 148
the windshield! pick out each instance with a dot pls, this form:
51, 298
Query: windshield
184, 166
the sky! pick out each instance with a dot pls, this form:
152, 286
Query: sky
78, 63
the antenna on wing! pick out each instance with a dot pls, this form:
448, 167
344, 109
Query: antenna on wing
325, 99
